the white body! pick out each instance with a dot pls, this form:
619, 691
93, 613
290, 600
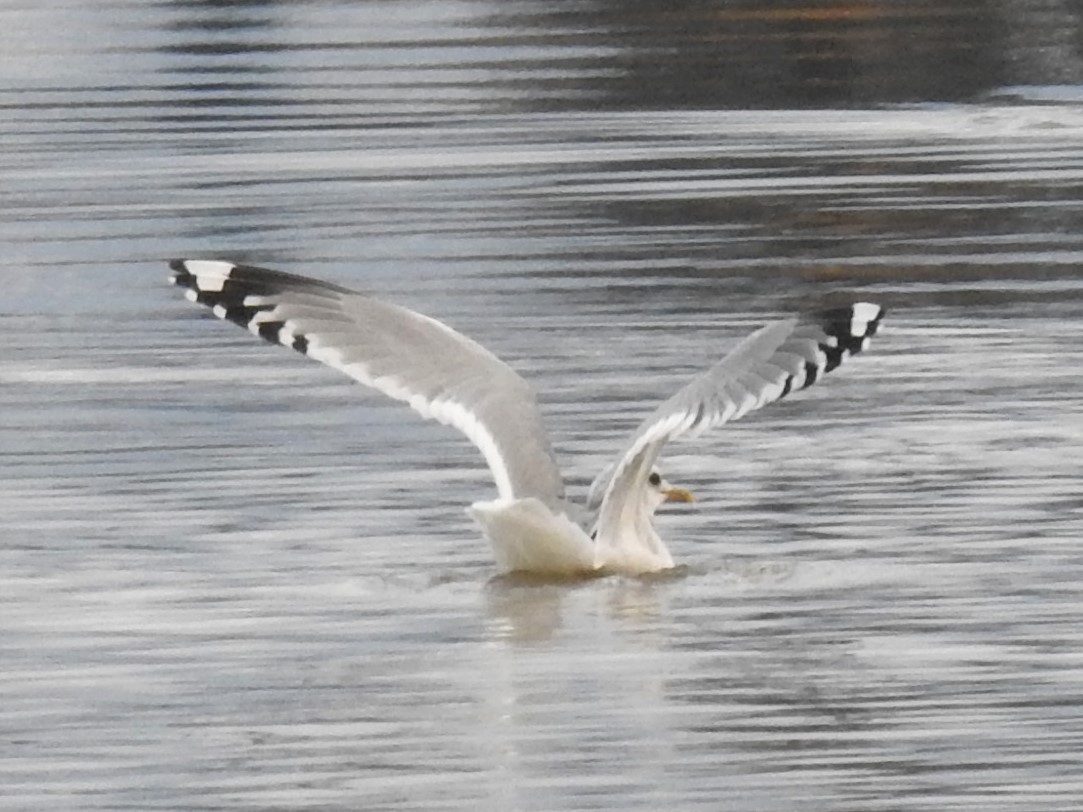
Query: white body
526, 536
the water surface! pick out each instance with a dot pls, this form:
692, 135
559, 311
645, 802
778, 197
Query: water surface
231, 579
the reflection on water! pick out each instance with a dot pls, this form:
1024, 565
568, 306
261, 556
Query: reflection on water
230, 579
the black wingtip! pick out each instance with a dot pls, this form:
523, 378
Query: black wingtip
180, 275
224, 288
851, 326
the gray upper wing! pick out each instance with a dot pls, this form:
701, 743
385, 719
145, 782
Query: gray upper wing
440, 373
778, 359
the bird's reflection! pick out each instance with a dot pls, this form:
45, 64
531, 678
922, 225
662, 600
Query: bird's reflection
527, 609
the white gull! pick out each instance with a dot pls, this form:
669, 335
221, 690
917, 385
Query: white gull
446, 376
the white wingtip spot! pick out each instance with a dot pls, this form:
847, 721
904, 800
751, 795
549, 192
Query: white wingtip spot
210, 284
219, 311
210, 275
866, 311
286, 336
863, 313
209, 267
191, 295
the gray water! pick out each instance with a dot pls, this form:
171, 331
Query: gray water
231, 579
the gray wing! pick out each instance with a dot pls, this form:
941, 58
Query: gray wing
778, 359
440, 373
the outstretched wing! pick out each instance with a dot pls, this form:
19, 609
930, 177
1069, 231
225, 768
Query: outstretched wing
778, 359
440, 373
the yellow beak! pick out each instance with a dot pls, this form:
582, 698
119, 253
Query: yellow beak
678, 495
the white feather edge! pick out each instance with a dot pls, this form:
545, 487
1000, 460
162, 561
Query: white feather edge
442, 410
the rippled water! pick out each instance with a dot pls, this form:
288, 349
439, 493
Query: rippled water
231, 579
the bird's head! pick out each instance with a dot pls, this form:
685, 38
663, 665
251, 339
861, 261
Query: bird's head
660, 491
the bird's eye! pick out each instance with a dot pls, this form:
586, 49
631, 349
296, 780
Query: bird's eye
655, 479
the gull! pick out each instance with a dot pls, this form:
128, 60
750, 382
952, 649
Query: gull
448, 377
